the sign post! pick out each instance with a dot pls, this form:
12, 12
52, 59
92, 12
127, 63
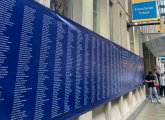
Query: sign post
144, 10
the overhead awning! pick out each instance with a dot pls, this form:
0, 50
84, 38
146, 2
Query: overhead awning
155, 42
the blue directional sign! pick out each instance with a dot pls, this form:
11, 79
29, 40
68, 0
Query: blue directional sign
52, 68
162, 58
144, 11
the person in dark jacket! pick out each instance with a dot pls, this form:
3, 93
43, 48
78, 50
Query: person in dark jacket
150, 80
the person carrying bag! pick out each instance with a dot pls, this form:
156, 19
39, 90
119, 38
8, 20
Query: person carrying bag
150, 80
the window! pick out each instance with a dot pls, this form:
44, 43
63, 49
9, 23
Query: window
96, 16
63, 7
58, 6
111, 19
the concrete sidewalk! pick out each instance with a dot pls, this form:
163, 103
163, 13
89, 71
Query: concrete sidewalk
153, 111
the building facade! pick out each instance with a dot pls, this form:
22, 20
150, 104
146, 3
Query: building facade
109, 19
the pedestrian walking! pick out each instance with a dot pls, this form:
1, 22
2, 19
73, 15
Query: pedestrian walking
162, 84
150, 80
156, 75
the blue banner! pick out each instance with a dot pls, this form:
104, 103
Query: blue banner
144, 10
52, 68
